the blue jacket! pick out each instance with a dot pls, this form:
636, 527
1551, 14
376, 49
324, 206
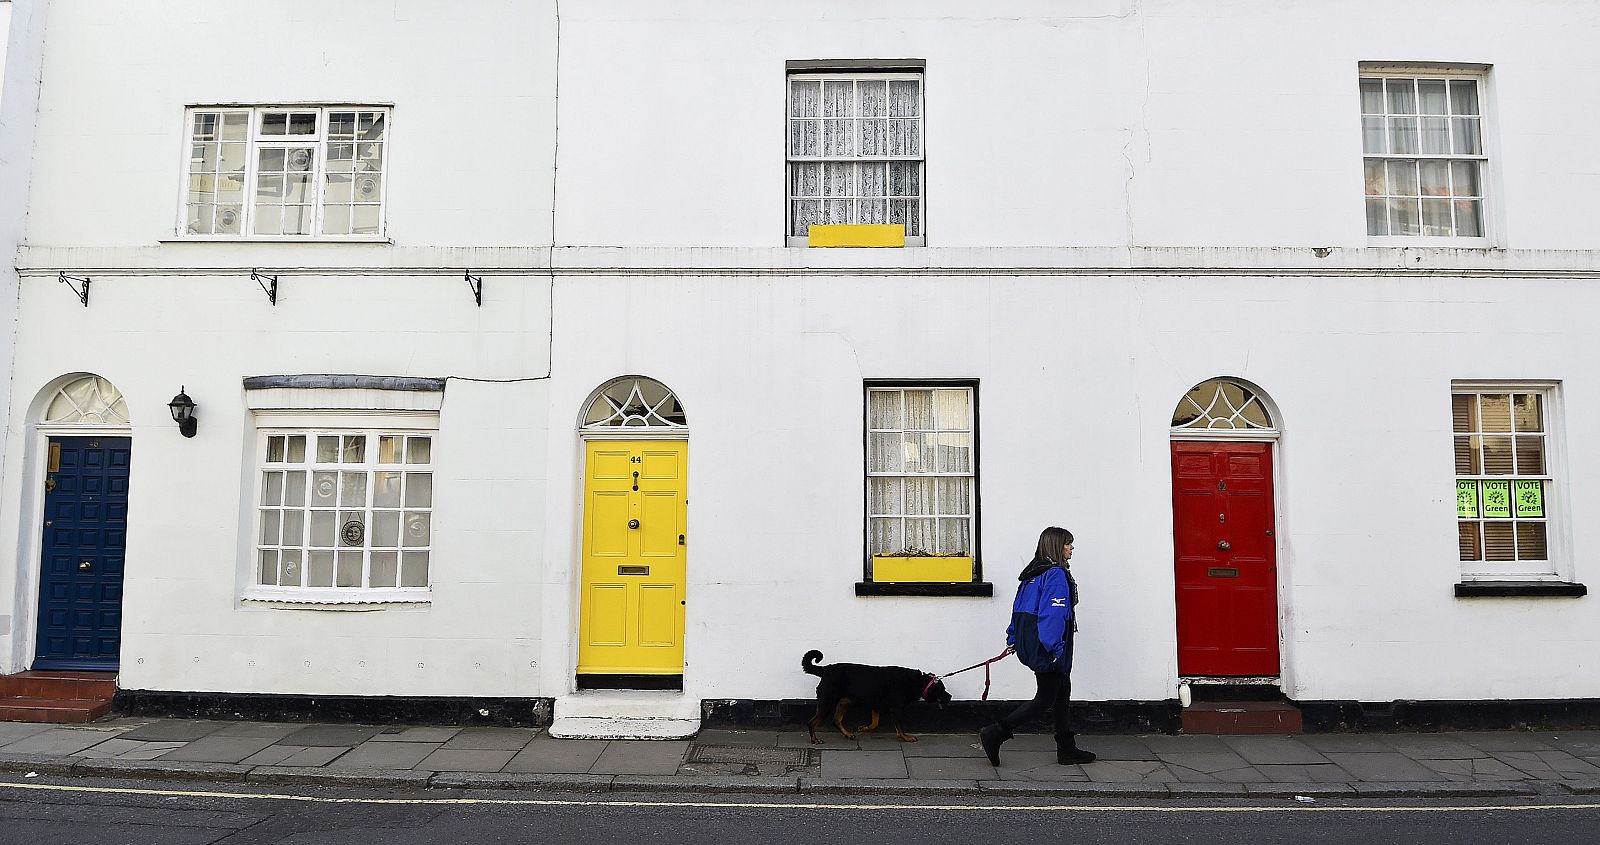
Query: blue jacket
1041, 622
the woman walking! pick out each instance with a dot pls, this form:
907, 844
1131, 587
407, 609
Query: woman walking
1042, 625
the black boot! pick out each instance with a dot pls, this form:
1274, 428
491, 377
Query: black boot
990, 738
1068, 753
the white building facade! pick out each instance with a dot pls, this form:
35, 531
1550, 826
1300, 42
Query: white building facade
517, 367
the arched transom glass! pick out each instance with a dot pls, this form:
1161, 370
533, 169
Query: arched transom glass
1222, 405
90, 400
635, 403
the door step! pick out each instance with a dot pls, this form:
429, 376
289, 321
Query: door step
65, 697
625, 714
1241, 717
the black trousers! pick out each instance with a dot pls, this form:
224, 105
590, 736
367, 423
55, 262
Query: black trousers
1054, 690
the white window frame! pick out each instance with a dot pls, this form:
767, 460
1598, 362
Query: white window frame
311, 424
1558, 549
971, 431
1487, 174
921, 158
254, 141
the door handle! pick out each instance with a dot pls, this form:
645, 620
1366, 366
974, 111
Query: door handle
633, 523
84, 566
1224, 545
635, 479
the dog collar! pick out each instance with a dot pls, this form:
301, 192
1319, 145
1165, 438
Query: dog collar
932, 679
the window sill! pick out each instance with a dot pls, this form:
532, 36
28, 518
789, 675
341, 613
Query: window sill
281, 239
1520, 589
342, 600
876, 588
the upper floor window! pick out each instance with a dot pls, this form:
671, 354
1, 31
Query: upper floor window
1426, 169
271, 172
855, 152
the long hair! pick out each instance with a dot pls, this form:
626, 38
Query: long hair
1053, 544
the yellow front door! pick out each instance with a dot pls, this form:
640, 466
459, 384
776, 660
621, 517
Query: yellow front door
634, 513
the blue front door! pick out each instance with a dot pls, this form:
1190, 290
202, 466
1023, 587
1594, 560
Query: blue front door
85, 532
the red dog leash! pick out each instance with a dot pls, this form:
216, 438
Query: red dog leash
933, 679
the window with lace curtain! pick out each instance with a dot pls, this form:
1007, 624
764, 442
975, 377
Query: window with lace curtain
921, 481
855, 151
1504, 479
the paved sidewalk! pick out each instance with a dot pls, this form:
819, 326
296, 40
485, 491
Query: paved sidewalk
768, 761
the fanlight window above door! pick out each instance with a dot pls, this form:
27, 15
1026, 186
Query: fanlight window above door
634, 403
90, 400
1222, 405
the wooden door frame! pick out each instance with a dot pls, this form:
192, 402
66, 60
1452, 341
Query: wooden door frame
32, 513
1271, 439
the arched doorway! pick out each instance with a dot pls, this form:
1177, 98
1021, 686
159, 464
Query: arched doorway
635, 542
84, 431
1225, 551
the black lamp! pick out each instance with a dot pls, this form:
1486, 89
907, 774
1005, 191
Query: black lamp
182, 408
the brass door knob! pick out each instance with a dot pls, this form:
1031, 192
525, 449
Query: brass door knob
1224, 545
84, 566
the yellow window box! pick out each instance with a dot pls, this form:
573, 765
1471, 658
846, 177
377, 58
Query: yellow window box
937, 570
857, 234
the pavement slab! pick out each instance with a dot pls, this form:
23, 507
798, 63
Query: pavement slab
1038, 766
173, 730
1273, 750
863, 764
1463, 771
348, 736
57, 741
416, 734
13, 731
1382, 766
466, 760
294, 755
257, 730
373, 754
1112, 747
944, 745
950, 768
1158, 743
1307, 773
1578, 743
1208, 762
1128, 771
1548, 765
491, 739
557, 756
128, 749
1432, 747
640, 757
1504, 740
219, 749
1355, 743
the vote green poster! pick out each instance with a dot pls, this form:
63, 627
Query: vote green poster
1467, 499
1530, 497
1496, 499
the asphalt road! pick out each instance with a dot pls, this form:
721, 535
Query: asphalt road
70, 812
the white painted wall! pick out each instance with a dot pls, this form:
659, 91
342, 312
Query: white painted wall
1120, 199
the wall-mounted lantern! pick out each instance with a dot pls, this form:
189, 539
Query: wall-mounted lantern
182, 408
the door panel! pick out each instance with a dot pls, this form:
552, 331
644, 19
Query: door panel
1225, 559
633, 569
83, 552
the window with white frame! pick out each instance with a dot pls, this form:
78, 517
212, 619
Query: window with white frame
344, 514
1504, 479
301, 171
855, 151
921, 471
1426, 169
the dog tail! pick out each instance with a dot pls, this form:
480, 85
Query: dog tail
809, 662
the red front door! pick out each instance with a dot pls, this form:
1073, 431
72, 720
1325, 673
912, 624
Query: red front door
1226, 562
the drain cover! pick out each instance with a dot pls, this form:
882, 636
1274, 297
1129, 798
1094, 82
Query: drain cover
748, 754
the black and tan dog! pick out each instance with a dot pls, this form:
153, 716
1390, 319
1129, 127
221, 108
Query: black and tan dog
884, 689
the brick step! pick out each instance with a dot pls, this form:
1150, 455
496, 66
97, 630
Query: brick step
1241, 717
51, 710
66, 686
